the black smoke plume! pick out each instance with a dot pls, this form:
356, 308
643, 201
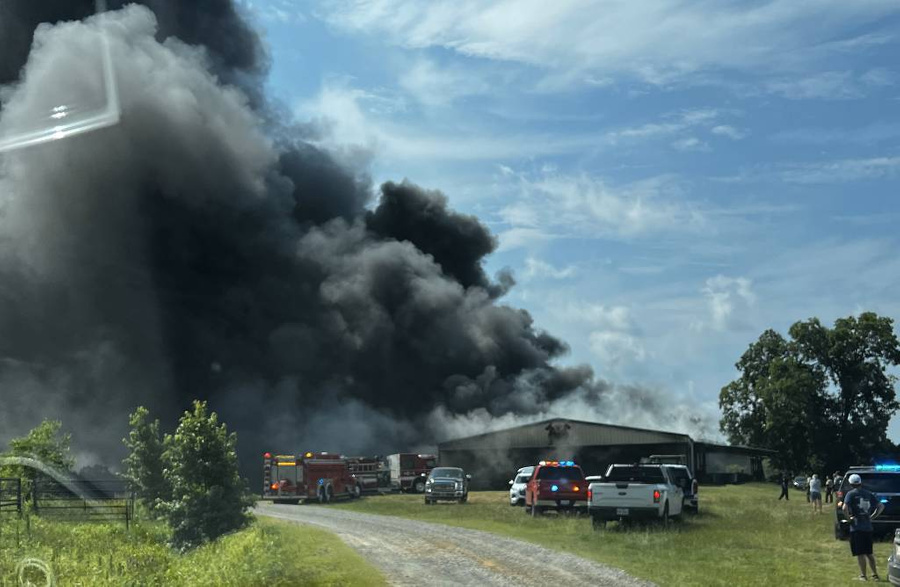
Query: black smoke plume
202, 249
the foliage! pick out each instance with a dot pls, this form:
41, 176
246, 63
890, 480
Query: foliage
208, 496
144, 465
268, 553
822, 399
44, 443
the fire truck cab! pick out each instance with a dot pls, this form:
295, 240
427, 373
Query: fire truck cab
309, 476
409, 471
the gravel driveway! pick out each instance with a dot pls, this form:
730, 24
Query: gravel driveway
409, 552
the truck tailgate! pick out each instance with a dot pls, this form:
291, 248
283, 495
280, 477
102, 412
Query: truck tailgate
625, 495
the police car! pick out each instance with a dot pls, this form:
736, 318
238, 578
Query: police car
883, 481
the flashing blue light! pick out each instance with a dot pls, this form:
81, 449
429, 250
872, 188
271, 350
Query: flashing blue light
321, 482
554, 487
883, 500
887, 467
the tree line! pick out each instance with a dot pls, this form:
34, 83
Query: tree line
189, 478
822, 397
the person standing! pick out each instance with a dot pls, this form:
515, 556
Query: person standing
861, 507
815, 493
808, 483
784, 488
829, 490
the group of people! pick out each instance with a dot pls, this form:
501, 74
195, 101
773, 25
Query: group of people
860, 507
814, 487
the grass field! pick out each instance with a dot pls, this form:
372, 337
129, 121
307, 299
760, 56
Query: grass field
268, 553
744, 536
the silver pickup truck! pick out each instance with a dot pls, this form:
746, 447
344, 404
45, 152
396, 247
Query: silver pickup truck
635, 492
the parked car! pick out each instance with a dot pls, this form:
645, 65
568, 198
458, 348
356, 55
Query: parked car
884, 482
635, 492
556, 485
800, 482
517, 486
688, 483
447, 483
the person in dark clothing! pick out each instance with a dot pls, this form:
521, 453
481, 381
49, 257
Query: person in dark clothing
861, 506
829, 490
784, 488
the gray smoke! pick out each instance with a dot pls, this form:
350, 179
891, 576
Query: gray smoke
202, 249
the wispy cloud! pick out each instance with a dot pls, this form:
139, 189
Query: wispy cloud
728, 300
440, 85
830, 85
843, 170
656, 41
536, 269
731, 132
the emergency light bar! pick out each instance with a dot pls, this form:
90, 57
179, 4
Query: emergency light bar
887, 467
557, 463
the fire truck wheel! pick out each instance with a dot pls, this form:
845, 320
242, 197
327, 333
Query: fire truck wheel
419, 486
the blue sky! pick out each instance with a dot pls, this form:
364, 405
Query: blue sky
667, 178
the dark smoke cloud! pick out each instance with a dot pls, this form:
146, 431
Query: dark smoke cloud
200, 249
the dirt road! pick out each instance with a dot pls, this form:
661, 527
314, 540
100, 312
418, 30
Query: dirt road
409, 552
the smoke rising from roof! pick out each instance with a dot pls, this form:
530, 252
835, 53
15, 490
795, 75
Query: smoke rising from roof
202, 249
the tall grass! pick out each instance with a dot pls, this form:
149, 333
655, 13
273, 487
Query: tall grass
269, 553
744, 536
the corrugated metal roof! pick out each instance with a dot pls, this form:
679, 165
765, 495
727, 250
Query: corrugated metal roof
563, 432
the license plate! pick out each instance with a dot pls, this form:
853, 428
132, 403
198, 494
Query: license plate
566, 502
621, 511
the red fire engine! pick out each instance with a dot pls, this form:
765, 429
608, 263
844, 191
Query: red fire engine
316, 476
409, 471
372, 473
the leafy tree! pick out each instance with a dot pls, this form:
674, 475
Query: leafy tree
822, 399
144, 465
208, 498
44, 443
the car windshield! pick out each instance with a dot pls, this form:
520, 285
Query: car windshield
445, 472
561, 473
636, 474
800, 479
877, 482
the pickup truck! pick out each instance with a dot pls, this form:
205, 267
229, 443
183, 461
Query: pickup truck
555, 485
635, 492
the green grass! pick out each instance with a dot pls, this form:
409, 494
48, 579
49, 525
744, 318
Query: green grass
744, 536
268, 553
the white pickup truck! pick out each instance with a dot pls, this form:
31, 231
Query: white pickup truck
634, 492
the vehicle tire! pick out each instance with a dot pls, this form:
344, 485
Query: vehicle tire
465, 498
666, 515
840, 533
598, 523
536, 511
419, 486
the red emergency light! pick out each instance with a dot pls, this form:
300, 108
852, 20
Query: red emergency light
268, 455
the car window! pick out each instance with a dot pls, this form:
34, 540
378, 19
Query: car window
447, 472
877, 483
559, 473
523, 478
636, 475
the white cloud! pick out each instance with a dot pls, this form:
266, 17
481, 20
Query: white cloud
841, 170
589, 207
535, 268
829, 85
690, 144
728, 131
279, 11
616, 349
654, 40
728, 300
436, 85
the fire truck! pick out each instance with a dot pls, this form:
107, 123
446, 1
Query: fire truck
372, 473
409, 470
311, 476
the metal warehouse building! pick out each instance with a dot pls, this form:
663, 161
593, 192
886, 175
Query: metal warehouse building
493, 457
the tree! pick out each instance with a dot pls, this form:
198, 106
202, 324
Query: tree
144, 465
208, 497
775, 403
822, 399
43, 443
855, 355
